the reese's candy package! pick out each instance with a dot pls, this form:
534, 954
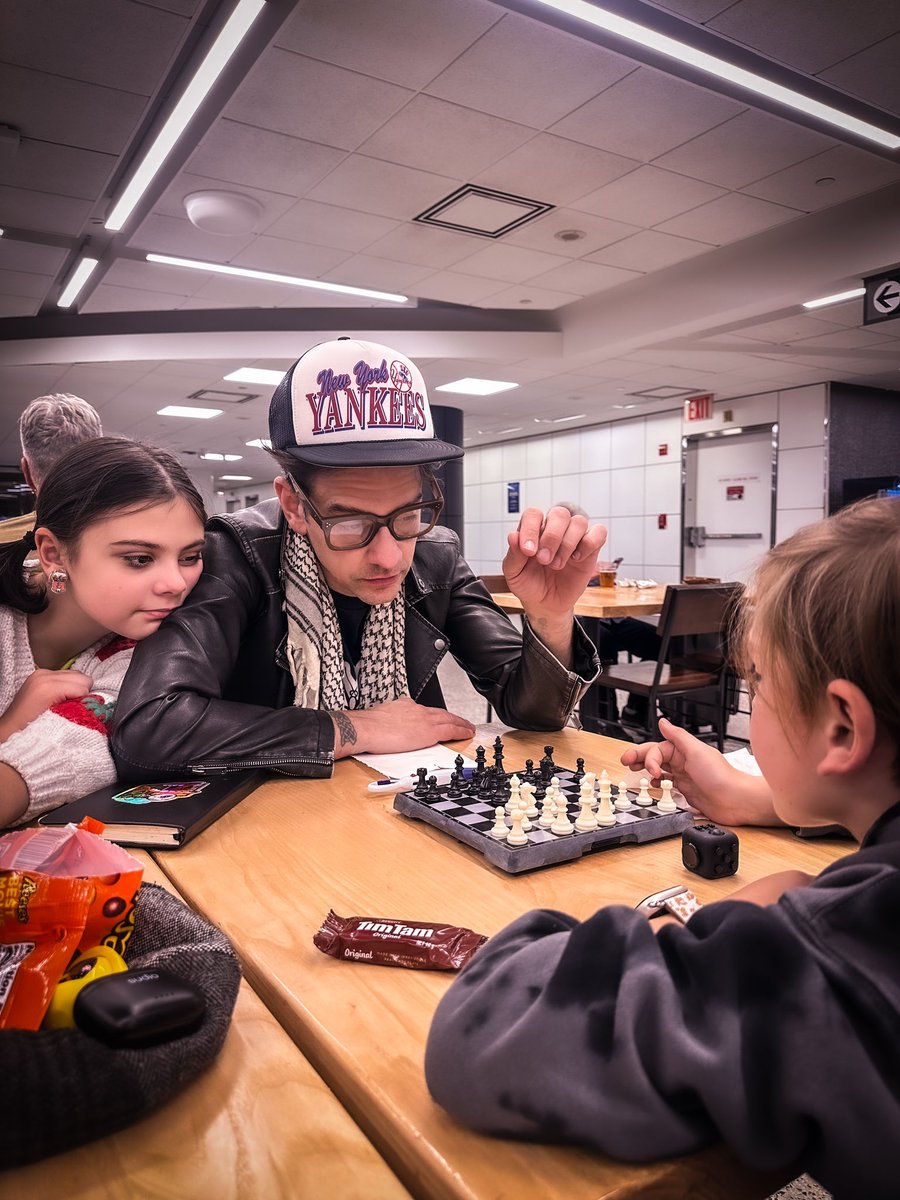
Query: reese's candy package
76, 851
41, 922
391, 943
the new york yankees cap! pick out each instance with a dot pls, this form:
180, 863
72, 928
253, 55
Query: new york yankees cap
348, 403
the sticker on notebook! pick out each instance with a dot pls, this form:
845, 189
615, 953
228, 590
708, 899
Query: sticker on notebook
158, 793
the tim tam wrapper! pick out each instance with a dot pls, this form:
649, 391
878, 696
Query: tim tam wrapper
387, 942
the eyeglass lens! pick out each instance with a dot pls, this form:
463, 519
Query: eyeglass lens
347, 533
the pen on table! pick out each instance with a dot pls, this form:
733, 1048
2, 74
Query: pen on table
408, 782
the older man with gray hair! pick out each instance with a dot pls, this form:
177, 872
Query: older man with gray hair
48, 427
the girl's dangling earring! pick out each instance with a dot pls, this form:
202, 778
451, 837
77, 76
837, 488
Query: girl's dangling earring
58, 580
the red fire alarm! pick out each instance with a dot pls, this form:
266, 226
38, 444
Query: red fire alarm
661, 521
663, 449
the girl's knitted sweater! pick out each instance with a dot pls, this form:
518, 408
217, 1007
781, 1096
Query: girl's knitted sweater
63, 753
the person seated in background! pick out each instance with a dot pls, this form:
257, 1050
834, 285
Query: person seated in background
48, 427
323, 614
118, 535
769, 1019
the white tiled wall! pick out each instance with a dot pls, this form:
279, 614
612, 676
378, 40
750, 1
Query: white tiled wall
617, 473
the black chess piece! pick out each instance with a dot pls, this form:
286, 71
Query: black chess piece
458, 763
479, 762
548, 750
432, 785
529, 769
546, 769
579, 768
453, 791
421, 787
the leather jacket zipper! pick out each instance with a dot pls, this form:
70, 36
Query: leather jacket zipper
227, 768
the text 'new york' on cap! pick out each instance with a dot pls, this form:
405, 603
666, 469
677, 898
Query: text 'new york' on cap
348, 403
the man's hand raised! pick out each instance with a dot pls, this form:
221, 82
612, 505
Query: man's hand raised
550, 560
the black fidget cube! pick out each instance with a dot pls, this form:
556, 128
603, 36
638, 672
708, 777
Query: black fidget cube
710, 851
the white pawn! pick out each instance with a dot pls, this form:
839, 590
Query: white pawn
622, 799
548, 811
643, 797
517, 835
514, 789
561, 824
585, 821
667, 803
499, 829
523, 809
605, 815
527, 794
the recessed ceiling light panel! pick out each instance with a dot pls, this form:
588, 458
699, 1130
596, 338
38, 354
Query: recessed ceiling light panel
183, 410
476, 387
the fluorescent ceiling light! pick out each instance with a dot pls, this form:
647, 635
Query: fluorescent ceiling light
476, 387
624, 406
180, 410
77, 280
255, 375
271, 277
222, 457
683, 52
515, 429
259, 444
837, 298
574, 417
236, 27
237, 478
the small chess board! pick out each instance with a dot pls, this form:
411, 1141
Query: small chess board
469, 817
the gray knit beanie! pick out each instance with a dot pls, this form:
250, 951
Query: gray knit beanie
70, 1089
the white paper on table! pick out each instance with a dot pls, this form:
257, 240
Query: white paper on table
743, 760
399, 766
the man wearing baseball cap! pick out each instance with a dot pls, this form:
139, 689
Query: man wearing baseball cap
320, 619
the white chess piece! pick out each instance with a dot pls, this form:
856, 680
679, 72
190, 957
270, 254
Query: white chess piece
623, 800
585, 821
605, 815
667, 803
523, 808
643, 797
561, 824
499, 830
526, 793
548, 811
604, 789
517, 835
514, 792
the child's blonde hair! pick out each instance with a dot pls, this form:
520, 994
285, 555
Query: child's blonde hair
825, 604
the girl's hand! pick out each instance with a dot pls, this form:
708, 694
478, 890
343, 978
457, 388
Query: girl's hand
40, 691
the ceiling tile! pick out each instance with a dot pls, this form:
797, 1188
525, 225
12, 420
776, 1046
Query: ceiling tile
171, 235
853, 172
695, 10
528, 72
362, 270
787, 329
647, 196
747, 147
649, 250
289, 258
647, 114
154, 277
52, 109
314, 101
383, 188
325, 225
528, 296
554, 170
242, 154
30, 258
124, 46
422, 39
872, 75
541, 234
451, 287
42, 212
434, 135
425, 245
583, 278
509, 264
108, 298
63, 170
807, 34
24, 284
728, 219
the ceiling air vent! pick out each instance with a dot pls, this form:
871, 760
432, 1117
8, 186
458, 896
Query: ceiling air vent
482, 212
217, 397
666, 392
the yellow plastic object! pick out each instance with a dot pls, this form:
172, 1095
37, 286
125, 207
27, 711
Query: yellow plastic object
89, 965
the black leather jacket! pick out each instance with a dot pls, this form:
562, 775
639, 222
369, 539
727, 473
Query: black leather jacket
211, 691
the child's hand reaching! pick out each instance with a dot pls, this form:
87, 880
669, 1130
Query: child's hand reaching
40, 691
704, 778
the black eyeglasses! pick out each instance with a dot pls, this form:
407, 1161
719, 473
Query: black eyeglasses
356, 530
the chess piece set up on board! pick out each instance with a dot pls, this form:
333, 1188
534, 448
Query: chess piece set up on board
536, 797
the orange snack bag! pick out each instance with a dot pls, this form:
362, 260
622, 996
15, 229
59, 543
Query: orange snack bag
41, 921
76, 851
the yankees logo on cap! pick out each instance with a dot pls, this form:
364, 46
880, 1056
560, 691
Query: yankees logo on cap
355, 404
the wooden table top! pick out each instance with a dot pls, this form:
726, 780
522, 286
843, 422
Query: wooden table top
258, 1125
601, 602
269, 871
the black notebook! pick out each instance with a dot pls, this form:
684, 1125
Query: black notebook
163, 815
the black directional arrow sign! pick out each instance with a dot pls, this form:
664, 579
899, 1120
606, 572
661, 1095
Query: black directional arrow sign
882, 299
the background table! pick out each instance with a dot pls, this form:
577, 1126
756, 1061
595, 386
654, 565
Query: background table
269, 871
258, 1125
601, 602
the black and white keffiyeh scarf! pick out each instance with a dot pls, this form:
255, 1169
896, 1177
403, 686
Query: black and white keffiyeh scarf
315, 651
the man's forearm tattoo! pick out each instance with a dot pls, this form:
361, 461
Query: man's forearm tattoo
345, 728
